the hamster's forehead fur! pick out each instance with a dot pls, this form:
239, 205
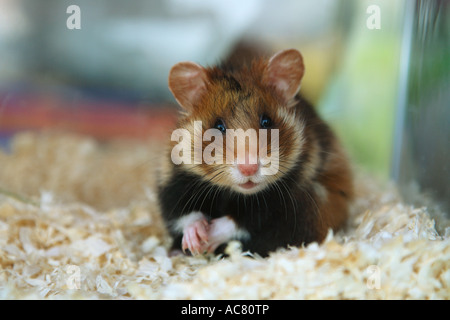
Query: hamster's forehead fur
236, 94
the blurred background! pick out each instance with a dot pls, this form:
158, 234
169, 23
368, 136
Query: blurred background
377, 70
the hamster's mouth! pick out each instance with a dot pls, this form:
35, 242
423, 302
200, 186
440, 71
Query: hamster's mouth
248, 185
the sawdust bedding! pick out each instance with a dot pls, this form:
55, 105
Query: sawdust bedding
78, 219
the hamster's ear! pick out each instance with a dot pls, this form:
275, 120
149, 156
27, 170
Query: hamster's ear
187, 81
284, 72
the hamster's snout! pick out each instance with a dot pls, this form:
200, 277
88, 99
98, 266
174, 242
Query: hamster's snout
248, 176
248, 169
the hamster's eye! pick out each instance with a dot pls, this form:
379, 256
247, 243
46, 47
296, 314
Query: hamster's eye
220, 125
265, 122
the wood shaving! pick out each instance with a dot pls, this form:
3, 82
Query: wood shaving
79, 220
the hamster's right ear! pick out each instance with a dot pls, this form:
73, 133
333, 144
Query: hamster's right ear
187, 82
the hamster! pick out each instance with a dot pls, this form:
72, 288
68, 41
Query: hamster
206, 204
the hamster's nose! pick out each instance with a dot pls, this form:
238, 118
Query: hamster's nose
248, 169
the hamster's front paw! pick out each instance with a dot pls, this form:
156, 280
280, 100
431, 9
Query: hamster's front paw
195, 237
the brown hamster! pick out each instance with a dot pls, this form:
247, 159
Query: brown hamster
206, 204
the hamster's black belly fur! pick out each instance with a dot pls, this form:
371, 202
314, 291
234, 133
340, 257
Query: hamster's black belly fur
277, 217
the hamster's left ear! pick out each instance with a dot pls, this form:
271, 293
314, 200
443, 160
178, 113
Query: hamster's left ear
284, 72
